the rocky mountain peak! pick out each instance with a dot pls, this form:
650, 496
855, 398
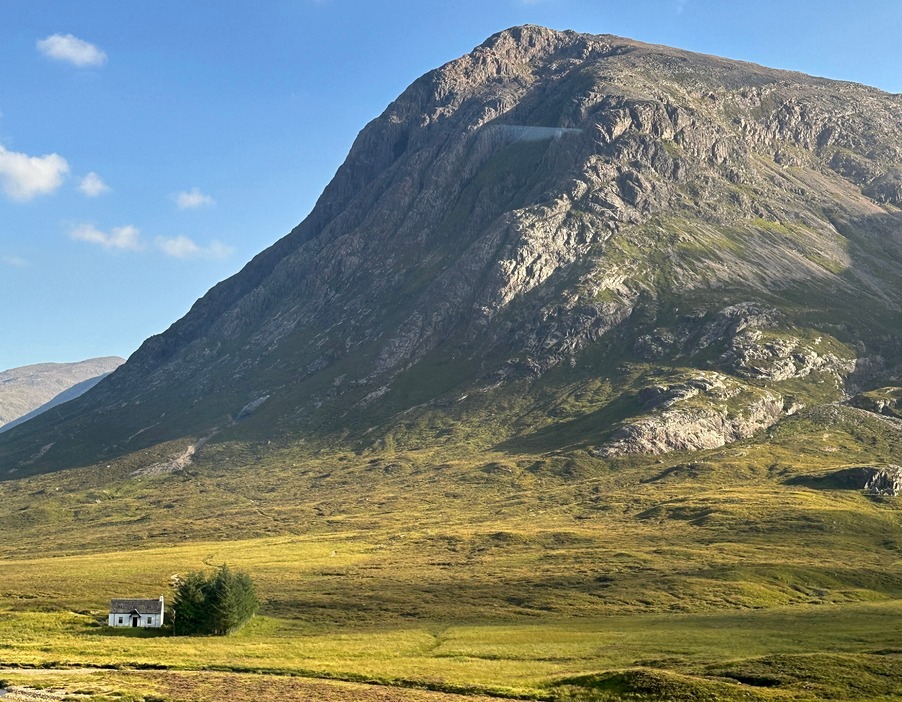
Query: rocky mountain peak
551, 201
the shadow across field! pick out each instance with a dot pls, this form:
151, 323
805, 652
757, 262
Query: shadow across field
115, 632
590, 429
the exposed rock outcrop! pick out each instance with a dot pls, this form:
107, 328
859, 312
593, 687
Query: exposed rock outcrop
703, 412
874, 480
886, 401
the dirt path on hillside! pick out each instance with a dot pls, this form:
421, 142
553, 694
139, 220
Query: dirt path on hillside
15, 693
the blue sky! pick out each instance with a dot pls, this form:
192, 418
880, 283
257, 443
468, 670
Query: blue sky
148, 149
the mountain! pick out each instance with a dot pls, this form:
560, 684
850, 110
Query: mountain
557, 241
27, 391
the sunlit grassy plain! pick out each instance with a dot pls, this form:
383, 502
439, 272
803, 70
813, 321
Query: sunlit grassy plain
550, 575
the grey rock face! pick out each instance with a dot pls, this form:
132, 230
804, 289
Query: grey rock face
703, 412
885, 481
500, 170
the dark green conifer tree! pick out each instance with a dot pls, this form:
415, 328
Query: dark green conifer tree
218, 604
190, 608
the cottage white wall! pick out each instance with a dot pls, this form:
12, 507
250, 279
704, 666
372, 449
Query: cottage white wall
155, 622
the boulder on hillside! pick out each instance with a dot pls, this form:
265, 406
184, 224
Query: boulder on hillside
875, 480
886, 401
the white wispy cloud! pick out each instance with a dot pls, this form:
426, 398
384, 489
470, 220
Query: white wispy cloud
92, 185
23, 176
183, 247
65, 47
127, 238
192, 199
14, 261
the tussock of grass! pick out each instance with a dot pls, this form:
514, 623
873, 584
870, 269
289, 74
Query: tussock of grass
643, 684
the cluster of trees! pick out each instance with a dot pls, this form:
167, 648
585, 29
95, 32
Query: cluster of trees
216, 604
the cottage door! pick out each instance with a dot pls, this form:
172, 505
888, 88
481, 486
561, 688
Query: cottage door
135, 619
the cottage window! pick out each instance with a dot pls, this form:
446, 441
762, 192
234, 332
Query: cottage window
150, 620
120, 620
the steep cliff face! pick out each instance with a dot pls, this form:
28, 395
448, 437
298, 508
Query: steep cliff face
547, 201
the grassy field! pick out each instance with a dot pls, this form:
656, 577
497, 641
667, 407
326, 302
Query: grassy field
444, 573
519, 659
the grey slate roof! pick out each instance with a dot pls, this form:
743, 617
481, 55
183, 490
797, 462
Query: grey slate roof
143, 606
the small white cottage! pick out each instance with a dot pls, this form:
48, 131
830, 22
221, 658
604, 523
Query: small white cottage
139, 613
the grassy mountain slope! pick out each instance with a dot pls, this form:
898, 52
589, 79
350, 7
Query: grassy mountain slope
715, 574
